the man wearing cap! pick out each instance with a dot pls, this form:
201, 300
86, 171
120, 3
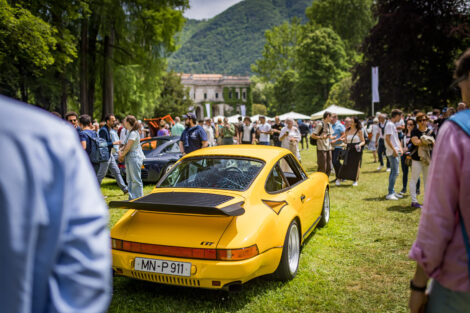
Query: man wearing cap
194, 137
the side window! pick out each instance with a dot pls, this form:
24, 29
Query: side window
276, 181
174, 148
291, 173
296, 166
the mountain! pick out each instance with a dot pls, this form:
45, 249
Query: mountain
233, 40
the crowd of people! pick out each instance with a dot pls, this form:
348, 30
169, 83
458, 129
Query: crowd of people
54, 227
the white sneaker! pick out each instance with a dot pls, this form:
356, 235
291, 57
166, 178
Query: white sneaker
391, 197
338, 182
379, 168
355, 183
388, 169
399, 196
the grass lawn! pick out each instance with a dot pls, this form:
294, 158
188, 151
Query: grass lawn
358, 263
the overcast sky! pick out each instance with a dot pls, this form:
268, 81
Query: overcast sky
205, 9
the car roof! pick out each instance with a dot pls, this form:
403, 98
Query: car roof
265, 153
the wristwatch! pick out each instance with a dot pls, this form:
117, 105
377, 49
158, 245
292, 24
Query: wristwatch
416, 288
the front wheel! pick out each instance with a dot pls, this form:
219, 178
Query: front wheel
289, 264
325, 213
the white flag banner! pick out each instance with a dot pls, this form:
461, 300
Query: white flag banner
243, 110
208, 110
375, 84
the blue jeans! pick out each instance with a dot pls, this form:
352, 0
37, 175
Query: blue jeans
112, 166
134, 180
263, 143
394, 171
443, 300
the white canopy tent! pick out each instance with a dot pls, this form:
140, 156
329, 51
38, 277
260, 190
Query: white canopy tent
337, 110
256, 118
294, 116
234, 118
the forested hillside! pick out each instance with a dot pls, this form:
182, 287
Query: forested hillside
231, 41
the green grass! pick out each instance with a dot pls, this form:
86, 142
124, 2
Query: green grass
358, 263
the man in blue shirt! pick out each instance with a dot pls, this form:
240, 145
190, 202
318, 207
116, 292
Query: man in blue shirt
194, 137
338, 131
105, 133
54, 234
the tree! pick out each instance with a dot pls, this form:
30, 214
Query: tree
340, 94
174, 98
414, 44
260, 109
321, 62
285, 92
350, 19
279, 51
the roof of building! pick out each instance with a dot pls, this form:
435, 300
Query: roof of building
213, 79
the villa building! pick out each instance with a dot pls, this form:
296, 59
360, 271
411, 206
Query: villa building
222, 95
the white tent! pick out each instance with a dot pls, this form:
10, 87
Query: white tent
337, 110
294, 116
234, 118
256, 118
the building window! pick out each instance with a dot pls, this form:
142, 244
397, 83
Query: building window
217, 95
205, 96
236, 95
244, 95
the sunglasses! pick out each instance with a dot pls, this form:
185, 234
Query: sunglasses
422, 120
410, 124
73, 121
459, 80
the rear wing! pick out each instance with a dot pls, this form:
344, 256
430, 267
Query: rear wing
184, 203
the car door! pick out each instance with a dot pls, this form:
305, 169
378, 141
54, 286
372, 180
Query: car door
300, 192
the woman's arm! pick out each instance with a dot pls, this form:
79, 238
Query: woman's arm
83, 144
125, 150
361, 137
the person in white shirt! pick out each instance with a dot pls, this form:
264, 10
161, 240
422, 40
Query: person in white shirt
247, 132
374, 130
393, 151
290, 137
264, 130
209, 132
381, 141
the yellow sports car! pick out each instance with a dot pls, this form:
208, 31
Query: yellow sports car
220, 217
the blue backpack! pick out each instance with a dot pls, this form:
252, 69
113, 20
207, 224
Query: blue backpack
99, 149
462, 119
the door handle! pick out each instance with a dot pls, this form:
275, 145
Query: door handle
302, 198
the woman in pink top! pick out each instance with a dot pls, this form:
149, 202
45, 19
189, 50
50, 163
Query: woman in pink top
439, 249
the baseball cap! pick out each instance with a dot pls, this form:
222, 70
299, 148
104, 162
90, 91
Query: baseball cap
190, 115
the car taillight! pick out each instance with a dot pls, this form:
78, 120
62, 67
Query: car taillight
237, 254
116, 244
183, 252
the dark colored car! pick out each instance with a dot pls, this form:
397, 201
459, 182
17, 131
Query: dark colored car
161, 158
160, 153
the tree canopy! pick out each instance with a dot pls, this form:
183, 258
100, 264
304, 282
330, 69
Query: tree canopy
414, 45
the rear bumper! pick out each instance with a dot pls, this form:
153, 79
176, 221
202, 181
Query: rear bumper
203, 272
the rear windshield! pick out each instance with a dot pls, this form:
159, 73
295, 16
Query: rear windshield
214, 173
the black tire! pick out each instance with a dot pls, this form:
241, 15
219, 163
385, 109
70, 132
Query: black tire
325, 213
289, 263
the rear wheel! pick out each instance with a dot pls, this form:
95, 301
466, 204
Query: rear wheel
325, 213
289, 264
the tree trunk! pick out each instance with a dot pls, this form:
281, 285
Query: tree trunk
64, 96
84, 104
93, 34
108, 82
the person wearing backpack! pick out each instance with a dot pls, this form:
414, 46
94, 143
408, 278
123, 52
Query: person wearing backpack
87, 134
105, 134
442, 249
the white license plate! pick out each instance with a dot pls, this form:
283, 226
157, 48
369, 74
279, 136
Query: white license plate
162, 267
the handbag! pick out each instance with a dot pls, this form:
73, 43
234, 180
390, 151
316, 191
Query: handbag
313, 141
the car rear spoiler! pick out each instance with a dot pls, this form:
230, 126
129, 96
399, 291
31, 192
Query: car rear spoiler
235, 209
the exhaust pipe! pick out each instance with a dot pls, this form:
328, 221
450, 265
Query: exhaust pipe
235, 286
